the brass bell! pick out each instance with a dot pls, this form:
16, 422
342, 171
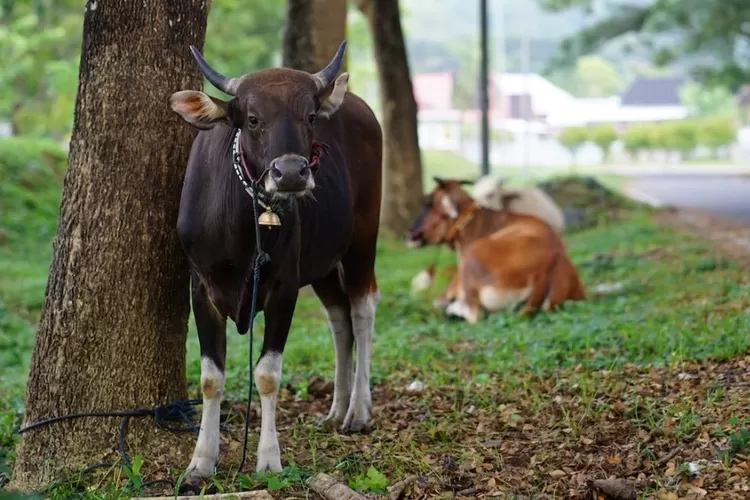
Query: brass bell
269, 218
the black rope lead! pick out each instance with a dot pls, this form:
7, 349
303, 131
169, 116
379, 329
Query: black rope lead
261, 258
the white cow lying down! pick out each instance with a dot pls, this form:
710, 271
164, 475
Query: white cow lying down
489, 190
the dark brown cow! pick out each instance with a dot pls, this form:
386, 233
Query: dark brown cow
310, 152
506, 259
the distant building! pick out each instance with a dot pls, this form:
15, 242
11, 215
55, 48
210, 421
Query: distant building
433, 91
527, 96
646, 100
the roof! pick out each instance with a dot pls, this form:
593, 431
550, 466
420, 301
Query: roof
663, 91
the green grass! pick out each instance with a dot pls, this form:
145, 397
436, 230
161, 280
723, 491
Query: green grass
661, 318
582, 380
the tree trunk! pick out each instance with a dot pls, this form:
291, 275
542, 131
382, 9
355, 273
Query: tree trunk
328, 30
297, 48
114, 322
402, 164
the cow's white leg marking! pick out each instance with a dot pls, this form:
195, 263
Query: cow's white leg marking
495, 298
206, 452
363, 325
341, 329
458, 308
267, 380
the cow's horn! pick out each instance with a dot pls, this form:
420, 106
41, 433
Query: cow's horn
326, 75
221, 82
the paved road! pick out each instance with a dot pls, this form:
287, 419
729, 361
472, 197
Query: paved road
722, 196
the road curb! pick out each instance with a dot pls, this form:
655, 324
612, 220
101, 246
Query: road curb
638, 195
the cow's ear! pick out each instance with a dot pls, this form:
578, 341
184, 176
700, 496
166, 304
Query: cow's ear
333, 96
507, 199
198, 109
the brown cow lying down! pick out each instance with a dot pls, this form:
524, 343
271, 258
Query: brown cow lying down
506, 259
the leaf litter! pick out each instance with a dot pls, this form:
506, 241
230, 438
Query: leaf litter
638, 432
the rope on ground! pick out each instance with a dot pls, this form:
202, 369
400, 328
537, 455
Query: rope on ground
163, 415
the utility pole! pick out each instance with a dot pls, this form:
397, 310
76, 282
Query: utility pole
484, 87
501, 69
526, 103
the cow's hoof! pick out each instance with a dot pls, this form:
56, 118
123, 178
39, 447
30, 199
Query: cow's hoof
328, 423
195, 486
356, 427
269, 459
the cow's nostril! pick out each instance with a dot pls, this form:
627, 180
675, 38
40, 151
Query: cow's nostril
276, 174
304, 172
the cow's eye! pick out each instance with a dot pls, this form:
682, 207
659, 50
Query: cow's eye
252, 121
311, 118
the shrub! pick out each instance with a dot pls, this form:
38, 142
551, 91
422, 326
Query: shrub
573, 138
603, 136
715, 133
637, 138
680, 136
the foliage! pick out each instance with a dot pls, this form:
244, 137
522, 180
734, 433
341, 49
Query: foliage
361, 61
243, 36
466, 86
40, 43
716, 132
596, 77
679, 136
636, 138
373, 481
695, 31
707, 101
573, 138
603, 136
32, 172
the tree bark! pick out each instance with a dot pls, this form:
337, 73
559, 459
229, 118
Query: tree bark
328, 30
298, 52
402, 164
313, 32
114, 321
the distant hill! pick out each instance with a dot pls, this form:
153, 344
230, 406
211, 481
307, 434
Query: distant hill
441, 35
434, 31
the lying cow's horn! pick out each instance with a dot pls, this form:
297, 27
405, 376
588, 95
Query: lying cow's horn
221, 82
326, 75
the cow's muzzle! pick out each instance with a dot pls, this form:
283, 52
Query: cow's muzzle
291, 174
415, 239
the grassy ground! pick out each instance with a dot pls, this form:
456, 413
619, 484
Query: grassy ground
629, 385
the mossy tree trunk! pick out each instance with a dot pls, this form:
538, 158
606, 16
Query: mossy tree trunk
402, 164
313, 32
114, 321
